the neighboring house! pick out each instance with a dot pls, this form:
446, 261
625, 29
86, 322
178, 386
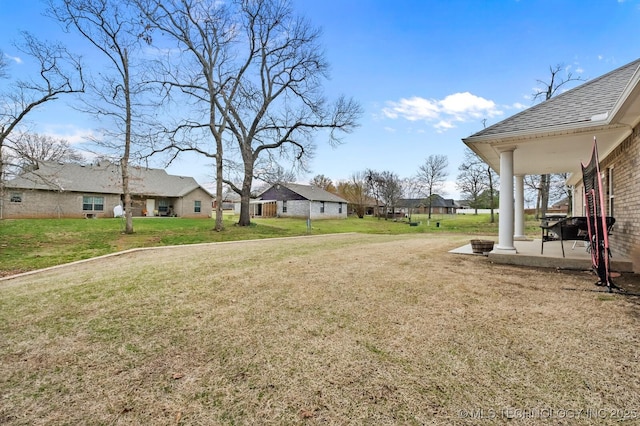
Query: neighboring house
73, 190
561, 206
556, 136
463, 204
295, 200
370, 207
439, 205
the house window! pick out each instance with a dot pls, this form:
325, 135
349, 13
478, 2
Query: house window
197, 206
322, 207
163, 207
340, 208
92, 203
16, 197
284, 206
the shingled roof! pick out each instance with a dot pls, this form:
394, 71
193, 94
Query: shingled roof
436, 201
104, 178
592, 101
555, 136
313, 193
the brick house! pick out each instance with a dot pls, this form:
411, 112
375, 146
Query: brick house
72, 190
556, 136
439, 205
296, 200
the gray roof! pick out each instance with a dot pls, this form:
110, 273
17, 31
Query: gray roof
313, 193
595, 98
105, 178
436, 201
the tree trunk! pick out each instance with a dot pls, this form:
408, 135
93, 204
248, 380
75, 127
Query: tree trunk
544, 194
127, 146
491, 198
1, 184
245, 197
219, 224
128, 210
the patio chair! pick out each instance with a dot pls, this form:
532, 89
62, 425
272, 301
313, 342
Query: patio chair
563, 230
572, 228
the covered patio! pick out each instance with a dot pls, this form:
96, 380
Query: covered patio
527, 253
556, 136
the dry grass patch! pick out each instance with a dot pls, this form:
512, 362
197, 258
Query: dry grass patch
334, 329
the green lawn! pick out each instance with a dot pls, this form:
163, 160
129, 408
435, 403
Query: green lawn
37, 243
337, 329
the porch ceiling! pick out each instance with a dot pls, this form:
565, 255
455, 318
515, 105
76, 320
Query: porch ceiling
557, 152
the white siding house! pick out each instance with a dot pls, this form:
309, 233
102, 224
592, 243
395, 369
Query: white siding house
296, 200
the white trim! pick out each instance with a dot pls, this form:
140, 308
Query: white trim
538, 133
624, 97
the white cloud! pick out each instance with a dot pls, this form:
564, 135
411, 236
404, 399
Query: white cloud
16, 59
71, 134
412, 109
443, 126
457, 107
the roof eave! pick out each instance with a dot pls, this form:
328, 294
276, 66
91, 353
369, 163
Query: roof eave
630, 93
570, 128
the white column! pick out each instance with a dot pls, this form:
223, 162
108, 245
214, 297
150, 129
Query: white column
505, 223
519, 209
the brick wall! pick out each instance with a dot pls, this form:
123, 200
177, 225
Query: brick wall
50, 204
184, 207
301, 209
625, 163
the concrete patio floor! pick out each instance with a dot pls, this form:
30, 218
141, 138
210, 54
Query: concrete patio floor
528, 254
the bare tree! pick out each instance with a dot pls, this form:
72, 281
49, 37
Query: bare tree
472, 178
110, 26
59, 72
30, 148
532, 191
385, 187
276, 174
411, 190
4, 65
559, 190
354, 191
194, 79
478, 181
321, 181
556, 81
391, 192
432, 176
493, 183
549, 89
375, 186
261, 68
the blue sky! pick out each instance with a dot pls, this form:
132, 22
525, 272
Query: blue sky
426, 72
